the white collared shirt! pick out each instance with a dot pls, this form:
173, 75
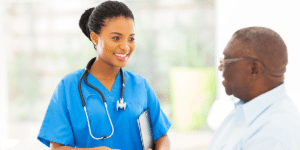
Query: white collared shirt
270, 121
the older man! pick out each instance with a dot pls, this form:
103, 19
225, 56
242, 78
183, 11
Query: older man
265, 118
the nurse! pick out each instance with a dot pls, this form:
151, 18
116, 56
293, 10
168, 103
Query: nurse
78, 118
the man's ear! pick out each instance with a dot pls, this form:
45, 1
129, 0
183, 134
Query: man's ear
94, 37
256, 69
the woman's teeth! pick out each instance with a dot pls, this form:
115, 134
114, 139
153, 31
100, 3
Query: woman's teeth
121, 55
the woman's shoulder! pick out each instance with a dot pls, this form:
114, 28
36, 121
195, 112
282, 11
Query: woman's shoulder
73, 76
134, 77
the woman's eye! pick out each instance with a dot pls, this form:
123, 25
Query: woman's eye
116, 38
131, 39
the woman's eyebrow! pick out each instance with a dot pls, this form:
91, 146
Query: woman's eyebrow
121, 34
116, 33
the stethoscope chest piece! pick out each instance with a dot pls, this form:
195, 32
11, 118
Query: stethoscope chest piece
121, 104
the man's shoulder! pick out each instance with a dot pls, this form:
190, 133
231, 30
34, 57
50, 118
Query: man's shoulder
285, 109
280, 121
281, 129
282, 113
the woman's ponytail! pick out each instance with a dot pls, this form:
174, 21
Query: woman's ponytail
83, 22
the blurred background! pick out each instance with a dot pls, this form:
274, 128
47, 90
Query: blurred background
178, 46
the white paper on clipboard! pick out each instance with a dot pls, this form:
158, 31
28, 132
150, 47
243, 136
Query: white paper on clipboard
145, 127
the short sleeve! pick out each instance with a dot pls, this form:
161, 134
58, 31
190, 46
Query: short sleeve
160, 123
56, 126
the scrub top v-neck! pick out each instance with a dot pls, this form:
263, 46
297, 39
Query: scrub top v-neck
65, 121
115, 90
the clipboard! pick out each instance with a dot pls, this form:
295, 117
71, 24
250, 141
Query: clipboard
146, 132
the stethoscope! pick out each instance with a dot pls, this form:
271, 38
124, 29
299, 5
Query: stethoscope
120, 103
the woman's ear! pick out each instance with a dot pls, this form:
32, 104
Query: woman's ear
94, 38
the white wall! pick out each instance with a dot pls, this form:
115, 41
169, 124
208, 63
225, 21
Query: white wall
3, 82
281, 16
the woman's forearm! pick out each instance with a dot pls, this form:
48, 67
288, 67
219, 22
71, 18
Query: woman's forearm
163, 143
72, 148
56, 146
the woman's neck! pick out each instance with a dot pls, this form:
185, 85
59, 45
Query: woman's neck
104, 71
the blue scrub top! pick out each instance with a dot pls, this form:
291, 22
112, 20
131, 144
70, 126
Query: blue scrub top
65, 121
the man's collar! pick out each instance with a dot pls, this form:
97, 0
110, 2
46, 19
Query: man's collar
256, 106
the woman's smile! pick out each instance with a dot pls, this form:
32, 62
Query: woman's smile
121, 57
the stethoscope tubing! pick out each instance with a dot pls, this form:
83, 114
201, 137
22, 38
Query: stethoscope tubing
102, 137
84, 75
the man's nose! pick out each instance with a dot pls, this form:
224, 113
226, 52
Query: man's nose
220, 68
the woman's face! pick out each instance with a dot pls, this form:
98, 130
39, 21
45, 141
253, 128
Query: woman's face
116, 43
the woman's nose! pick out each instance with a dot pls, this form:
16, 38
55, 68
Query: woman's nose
125, 46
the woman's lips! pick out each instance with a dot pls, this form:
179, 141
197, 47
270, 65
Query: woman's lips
121, 57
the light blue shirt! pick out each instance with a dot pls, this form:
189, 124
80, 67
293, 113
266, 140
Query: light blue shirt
270, 121
65, 121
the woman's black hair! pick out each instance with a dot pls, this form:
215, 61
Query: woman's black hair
93, 19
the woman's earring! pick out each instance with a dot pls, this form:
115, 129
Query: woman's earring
95, 46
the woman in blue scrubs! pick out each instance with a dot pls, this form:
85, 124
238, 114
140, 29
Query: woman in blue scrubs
110, 27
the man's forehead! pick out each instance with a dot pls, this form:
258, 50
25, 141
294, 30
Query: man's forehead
227, 52
230, 48
236, 48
